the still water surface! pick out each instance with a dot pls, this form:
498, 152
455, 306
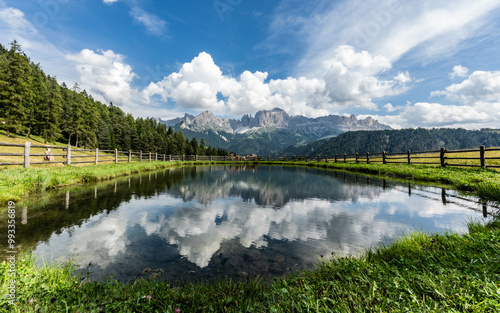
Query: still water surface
206, 222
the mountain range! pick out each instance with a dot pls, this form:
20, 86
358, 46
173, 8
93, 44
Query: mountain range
268, 132
401, 140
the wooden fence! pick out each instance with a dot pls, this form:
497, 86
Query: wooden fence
98, 156
440, 157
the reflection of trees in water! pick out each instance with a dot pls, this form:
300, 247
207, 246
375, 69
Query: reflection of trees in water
273, 186
72, 208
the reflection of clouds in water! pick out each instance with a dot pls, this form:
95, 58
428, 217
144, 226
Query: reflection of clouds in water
425, 203
198, 237
103, 237
99, 240
314, 216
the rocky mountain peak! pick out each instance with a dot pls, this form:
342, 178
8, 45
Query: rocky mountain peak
277, 118
273, 118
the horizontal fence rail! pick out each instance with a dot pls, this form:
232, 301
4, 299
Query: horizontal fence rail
440, 157
98, 156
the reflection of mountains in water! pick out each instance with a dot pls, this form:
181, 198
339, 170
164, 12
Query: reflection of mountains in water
192, 221
271, 185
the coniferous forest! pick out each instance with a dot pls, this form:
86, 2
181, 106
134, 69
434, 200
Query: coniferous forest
33, 103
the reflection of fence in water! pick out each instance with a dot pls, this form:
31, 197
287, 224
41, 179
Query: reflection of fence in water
444, 197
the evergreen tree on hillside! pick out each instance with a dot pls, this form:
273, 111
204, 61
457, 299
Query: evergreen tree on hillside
202, 150
194, 146
132, 129
90, 117
50, 111
4, 91
16, 94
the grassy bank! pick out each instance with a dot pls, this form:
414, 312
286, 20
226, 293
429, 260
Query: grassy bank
15, 183
418, 273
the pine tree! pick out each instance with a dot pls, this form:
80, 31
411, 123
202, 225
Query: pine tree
202, 150
51, 111
90, 116
194, 146
4, 90
16, 99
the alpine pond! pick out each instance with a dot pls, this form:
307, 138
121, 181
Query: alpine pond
233, 222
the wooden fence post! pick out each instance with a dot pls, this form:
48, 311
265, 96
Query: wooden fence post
345, 158
27, 148
170, 158
68, 155
357, 157
409, 157
156, 156
368, 157
149, 156
384, 161
116, 156
164, 157
96, 156
441, 157
336, 158
140, 156
211, 158
481, 155
196, 158
129, 156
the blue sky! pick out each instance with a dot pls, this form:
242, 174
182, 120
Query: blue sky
428, 63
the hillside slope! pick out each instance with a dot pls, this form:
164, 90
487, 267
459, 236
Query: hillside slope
398, 141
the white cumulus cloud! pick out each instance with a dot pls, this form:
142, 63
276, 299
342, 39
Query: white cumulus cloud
459, 71
201, 85
480, 86
349, 79
105, 73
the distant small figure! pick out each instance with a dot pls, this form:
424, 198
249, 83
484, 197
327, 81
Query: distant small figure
48, 155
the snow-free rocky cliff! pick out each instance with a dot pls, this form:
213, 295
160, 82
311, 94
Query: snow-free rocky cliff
269, 131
